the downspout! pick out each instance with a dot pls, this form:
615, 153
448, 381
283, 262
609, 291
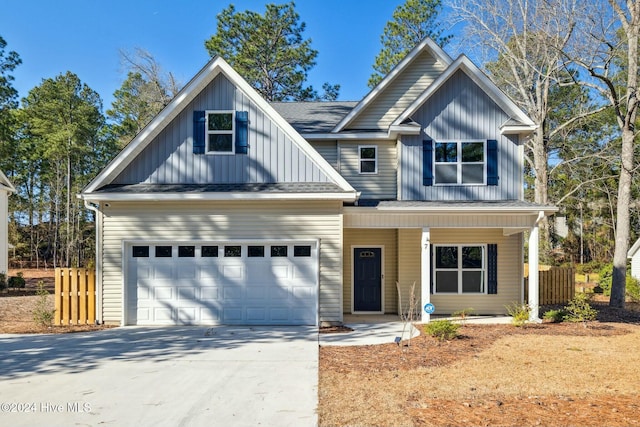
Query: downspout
95, 208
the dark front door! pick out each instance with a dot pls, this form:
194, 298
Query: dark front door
367, 279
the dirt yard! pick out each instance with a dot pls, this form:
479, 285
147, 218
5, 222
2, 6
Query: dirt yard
17, 306
500, 375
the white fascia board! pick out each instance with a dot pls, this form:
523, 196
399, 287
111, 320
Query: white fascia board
474, 73
521, 130
5, 184
215, 196
548, 210
393, 133
632, 251
428, 44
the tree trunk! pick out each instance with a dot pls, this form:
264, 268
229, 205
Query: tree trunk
618, 285
541, 183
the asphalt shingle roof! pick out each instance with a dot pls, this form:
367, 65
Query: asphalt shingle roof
281, 187
314, 117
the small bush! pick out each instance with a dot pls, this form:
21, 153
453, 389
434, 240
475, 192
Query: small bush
519, 313
464, 313
42, 313
555, 316
442, 329
606, 277
633, 289
3, 281
579, 309
17, 281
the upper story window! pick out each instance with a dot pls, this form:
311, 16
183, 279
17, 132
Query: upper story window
220, 132
368, 157
460, 162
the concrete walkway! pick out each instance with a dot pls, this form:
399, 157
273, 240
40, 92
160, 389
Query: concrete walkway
174, 376
384, 329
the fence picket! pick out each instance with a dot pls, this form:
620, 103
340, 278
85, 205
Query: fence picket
75, 296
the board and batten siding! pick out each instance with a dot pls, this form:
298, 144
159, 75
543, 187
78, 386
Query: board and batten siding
635, 265
510, 274
460, 110
272, 155
386, 238
382, 185
4, 232
399, 94
211, 221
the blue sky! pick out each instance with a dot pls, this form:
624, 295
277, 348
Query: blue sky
84, 37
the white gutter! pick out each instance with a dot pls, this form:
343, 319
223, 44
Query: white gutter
98, 223
393, 133
217, 196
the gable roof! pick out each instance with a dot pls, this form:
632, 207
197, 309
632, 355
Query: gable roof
207, 74
426, 45
518, 122
634, 249
5, 184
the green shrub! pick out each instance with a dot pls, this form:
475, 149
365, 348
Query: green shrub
606, 277
579, 309
556, 316
442, 329
633, 289
519, 313
17, 281
3, 281
42, 313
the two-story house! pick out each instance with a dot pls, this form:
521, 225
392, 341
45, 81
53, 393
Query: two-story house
227, 209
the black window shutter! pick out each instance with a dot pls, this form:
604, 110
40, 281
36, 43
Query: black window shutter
242, 132
492, 268
492, 162
198, 132
427, 162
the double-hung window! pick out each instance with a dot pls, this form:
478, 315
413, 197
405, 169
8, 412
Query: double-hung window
460, 269
368, 158
460, 162
220, 132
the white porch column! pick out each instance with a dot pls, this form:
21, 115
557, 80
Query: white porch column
425, 273
534, 299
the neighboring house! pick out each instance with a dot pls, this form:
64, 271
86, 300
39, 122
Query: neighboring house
634, 255
228, 209
6, 188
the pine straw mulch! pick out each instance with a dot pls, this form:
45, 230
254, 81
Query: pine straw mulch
492, 375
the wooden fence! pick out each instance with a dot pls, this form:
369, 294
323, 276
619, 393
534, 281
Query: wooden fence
556, 286
75, 296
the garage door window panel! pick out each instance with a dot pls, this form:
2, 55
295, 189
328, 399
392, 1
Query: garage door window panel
279, 251
255, 251
233, 251
186, 251
140, 252
163, 252
209, 251
302, 251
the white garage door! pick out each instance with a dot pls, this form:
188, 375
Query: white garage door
250, 283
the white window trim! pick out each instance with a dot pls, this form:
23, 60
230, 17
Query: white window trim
225, 132
360, 160
459, 163
460, 270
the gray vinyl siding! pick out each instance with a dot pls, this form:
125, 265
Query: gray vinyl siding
272, 155
460, 110
382, 185
328, 150
399, 94
177, 222
510, 268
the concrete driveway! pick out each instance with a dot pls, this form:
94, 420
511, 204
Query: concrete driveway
174, 376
